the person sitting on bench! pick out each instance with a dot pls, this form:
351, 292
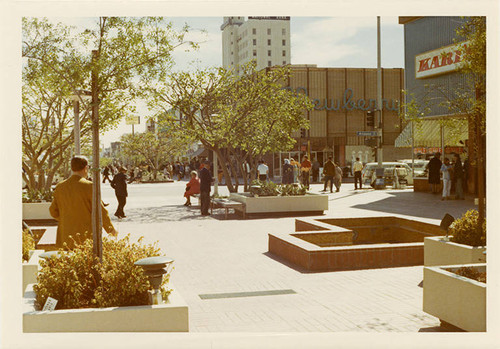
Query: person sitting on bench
192, 187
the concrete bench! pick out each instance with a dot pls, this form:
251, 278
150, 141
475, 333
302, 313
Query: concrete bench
226, 205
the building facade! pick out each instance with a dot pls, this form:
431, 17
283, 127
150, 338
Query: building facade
263, 39
342, 97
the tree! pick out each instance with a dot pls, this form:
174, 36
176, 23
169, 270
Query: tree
238, 117
153, 149
112, 59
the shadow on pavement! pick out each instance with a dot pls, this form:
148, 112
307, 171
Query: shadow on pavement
418, 204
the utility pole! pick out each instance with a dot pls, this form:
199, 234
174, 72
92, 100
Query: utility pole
379, 97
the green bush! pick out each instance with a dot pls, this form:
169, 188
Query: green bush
75, 282
31, 196
465, 230
261, 188
28, 244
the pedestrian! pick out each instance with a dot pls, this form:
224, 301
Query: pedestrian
192, 187
357, 167
315, 170
458, 176
72, 207
445, 170
246, 169
329, 172
287, 177
205, 182
305, 168
105, 174
181, 171
119, 183
295, 166
434, 167
263, 171
337, 179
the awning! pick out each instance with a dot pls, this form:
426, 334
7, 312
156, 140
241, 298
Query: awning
428, 134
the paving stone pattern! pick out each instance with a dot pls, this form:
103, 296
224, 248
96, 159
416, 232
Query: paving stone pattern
215, 256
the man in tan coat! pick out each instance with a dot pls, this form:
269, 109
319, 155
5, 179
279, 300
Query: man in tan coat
72, 207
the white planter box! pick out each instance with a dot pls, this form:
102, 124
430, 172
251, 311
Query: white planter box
169, 317
268, 204
36, 210
31, 268
455, 299
440, 252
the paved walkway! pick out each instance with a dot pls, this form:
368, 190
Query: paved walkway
226, 257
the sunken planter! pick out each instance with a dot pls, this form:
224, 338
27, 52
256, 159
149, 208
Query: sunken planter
36, 211
311, 203
171, 316
455, 299
439, 251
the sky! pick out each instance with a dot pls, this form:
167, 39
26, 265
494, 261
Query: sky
341, 42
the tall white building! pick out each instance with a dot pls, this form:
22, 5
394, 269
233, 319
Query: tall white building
263, 39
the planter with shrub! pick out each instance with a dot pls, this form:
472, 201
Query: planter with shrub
268, 197
36, 205
466, 244
102, 297
30, 259
456, 294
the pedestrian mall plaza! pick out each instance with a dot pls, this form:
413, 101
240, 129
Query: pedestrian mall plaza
231, 283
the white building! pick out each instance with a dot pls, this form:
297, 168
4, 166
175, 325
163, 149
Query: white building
264, 39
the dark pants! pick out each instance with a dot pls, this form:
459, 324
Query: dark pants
357, 178
305, 179
106, 177
315, 174
122, 200
328, 178
205, 202
459, 191
262, 177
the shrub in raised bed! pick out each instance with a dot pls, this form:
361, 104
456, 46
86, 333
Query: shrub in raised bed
76, 282
465, 230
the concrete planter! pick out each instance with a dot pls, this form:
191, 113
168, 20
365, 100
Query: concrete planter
36, 210
437, 251
268, 204
169, 317
31, 268
455, 299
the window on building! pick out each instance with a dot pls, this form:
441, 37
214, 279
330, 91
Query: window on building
268, 31
269, 42
255, 53
284, 62
268, 63
283, 42
269, 52
284, 53
254, 31
255, 41
283, 31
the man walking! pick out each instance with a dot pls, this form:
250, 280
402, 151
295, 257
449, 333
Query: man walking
329, 172
315, 170
119, 183
458, 175
205, 182
434, 167
72, 207
357, 167
337, 180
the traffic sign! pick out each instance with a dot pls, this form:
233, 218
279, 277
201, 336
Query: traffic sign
367, 133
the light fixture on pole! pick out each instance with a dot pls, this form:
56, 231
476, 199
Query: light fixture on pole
76, 97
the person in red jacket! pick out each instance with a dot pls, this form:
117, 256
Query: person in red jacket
192, 187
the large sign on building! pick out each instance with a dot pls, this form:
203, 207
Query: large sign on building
271, 18
440, 61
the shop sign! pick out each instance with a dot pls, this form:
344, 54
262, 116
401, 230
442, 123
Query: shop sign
433, 150
271, 18
440, 61
347, 102
132, 120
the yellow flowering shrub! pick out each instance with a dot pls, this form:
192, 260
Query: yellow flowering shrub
28, 244
76, 282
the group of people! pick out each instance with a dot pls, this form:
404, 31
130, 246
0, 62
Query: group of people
331, 171
453, 173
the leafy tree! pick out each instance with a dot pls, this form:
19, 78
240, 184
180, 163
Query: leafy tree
238, 117
110, 59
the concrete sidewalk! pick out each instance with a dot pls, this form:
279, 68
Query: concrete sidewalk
226, 262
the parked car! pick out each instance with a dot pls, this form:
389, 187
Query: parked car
419, 166
368, 175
